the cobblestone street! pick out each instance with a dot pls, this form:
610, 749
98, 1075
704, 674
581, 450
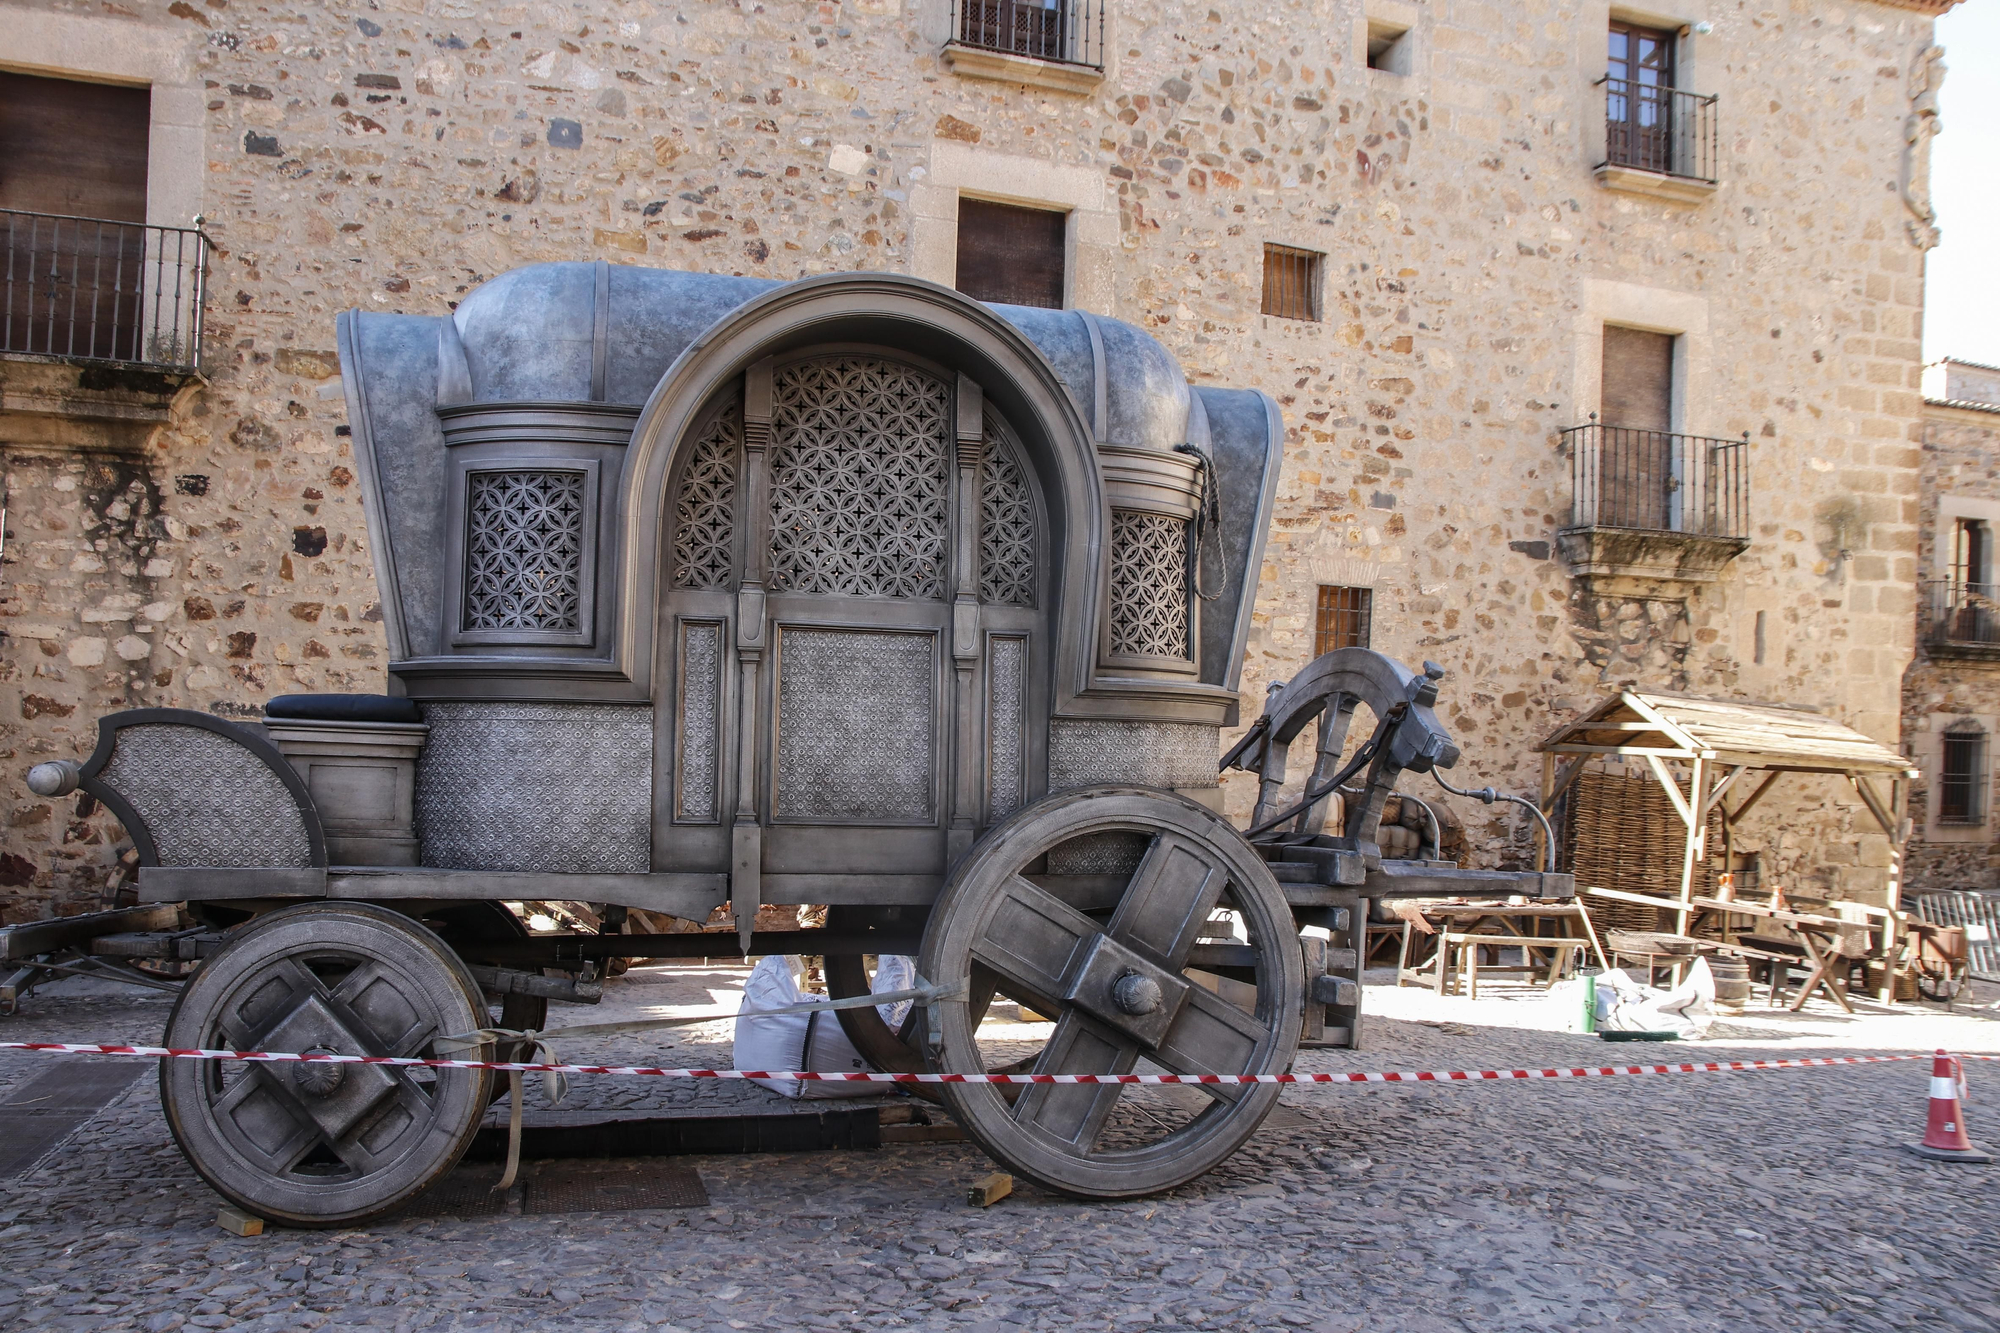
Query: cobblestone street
1741, 1201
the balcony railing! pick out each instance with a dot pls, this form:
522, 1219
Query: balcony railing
83, 289
1651, 128
1657, 481
1069, 32
1961, 614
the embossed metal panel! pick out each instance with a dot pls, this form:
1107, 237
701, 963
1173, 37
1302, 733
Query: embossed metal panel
1006, 528
551, 787
524, 538
207, 800
705, 508
860, 474
1083, 752
1006, 731
699, 716
857, 726
1149, 594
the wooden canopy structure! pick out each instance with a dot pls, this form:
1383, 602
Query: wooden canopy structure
1723, 743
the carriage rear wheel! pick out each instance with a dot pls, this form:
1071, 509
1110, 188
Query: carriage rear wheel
326, 1144
1156, 939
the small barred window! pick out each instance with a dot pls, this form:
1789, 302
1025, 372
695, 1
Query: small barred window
524, 551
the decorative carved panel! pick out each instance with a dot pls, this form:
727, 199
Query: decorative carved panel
705, 508
207, 800
1149, 594
524, 550
860, 471
857, 726
1006, 683
699, 713
1006, 528
549, 787
1087, 751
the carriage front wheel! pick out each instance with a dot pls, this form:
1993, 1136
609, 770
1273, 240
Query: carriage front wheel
326, 1144
1156, 940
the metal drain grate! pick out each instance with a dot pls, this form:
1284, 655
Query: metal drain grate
585, 1187
466, 1192
42, 1112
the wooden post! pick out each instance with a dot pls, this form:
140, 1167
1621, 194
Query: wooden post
1548, 795
1694, 813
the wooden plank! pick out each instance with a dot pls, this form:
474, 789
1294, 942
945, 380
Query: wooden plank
32, 938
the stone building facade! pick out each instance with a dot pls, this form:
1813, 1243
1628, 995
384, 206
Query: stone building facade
1951, 696
1468, 213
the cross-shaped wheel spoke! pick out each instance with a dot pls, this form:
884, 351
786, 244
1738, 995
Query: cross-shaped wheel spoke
1108, 959
1117, 988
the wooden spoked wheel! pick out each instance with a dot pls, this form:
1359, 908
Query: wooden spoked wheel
325, 1144
1106, 954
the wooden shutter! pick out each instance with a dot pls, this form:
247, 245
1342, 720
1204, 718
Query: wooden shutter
1010, 255
1638, 388
77, 149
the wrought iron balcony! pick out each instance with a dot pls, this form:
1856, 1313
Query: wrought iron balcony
1664, 130
84, 289
1961, 619
1068, 32
1655, 504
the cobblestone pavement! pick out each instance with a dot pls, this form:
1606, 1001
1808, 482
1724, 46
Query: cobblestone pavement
1745, 1201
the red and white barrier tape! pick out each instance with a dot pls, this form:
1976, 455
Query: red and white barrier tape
1441, 1076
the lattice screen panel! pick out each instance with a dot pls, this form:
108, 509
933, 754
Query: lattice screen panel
1149, 595
860, 471
524, 550
705, 509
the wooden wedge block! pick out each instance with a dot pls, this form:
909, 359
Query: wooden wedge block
989, 1190
237, 1222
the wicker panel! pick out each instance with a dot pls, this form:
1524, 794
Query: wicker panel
860, 471
1153, 754
1149, 595
1621, 832
856, 726
705, 508
207, 800
551, 787
1006, 528
699, 713
524, 550
1007, 662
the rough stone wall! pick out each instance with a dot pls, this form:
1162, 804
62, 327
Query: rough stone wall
391, 158
1961, 458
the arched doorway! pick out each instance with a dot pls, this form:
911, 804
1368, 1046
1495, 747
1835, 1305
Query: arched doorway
852, 671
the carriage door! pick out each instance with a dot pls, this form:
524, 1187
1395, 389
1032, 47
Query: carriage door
851, 677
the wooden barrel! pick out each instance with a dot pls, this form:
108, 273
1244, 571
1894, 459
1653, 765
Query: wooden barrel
1732, 982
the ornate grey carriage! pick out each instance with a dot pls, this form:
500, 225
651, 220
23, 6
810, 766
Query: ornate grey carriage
847, 591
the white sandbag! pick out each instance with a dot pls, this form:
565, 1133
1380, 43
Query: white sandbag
1624, 1005
812, 1041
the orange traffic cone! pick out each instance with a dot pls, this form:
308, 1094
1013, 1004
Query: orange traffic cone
1944, 1134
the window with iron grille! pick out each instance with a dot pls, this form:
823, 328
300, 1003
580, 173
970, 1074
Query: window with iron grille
1962, 781
1291, 282
1343, 618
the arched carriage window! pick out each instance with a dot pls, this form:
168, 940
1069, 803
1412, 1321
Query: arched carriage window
860, 490
1006, 527
705, 510
860, 479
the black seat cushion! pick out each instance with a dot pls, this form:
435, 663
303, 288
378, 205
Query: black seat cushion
343, 708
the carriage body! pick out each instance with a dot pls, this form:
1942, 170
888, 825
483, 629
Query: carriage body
846, 591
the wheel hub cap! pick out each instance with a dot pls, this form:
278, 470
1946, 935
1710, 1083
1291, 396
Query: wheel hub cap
314, 1026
